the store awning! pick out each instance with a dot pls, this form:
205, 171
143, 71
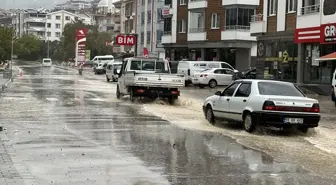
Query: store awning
331, 56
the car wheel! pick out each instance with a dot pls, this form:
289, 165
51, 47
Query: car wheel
171, 100
212, 83
209, 115
118, 92
107, 79
303, 129
132, 95
201, 86
249, 124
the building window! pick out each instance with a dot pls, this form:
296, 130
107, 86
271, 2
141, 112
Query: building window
142, 17
49, 25
143, 2
167, 25
67, 18
214, 21
48, 34
182, 2
148, 37
58, 34
58, 17
48, 17
149, 1
159, 34
272, 7
142, 37
149, 16
159, 14
238, 18
58, 26
291, 5
182, 26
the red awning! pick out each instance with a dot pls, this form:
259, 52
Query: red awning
331, 56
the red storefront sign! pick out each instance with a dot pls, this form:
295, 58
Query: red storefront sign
81, 44
328, 33
126, 40
81, 33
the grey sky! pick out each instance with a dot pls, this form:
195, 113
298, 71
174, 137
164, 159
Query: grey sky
29, 3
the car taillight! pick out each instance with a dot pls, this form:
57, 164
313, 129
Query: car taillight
270, 106
203, 75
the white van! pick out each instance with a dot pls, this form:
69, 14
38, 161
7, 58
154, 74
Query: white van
46, 62
103, 59
112, 70
189, 68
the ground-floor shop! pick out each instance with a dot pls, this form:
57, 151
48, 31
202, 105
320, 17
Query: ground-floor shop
239, 55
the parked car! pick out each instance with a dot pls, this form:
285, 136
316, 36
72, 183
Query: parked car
189, 68
250, 73
333, 88
112, 70
264, 102
213, 77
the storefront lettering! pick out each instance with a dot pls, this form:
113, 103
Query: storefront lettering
330, 31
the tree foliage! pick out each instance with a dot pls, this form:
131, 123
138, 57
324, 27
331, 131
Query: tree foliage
28, 45
95, 41
6, 35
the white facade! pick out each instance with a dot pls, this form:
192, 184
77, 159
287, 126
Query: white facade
169, 36
74, 5
196, 25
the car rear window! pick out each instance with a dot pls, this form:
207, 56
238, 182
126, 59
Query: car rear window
280, 89
46, 61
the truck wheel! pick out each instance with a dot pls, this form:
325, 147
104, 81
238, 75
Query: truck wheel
132, 95
107, 78
212, 83
118, 92
171, 100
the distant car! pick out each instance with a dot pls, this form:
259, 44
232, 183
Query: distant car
264, 102
213, 77
100, 68
250, 73
112, 70
46, 62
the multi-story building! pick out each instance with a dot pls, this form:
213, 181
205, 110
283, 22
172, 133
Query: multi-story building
210, 30
107, 18
5, 18
74, 5
150, 27
128, 20
46, 25
56, 22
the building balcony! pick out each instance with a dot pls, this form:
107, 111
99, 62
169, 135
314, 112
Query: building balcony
117, 4
196, 4
309, 16
167, 11
240, 2
197, 34
237, 32
166, 37
117, 20
35, 29
35, 19
258, 25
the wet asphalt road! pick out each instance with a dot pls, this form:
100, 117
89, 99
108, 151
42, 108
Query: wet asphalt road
68, 129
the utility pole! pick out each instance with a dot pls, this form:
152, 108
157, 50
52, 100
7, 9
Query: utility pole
12, 53
48, 43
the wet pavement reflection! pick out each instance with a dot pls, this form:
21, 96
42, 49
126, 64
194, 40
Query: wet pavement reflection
70, 129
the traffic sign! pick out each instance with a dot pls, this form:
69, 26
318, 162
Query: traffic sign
285, 56
126, 40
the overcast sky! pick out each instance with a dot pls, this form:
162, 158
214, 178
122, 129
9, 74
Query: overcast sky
29, 3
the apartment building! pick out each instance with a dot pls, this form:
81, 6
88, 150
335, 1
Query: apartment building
150, 27
74, 5
46, 25
210, 30
107, 17
128, 20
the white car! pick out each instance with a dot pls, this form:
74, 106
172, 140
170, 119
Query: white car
213, 77
264, 102
46, 62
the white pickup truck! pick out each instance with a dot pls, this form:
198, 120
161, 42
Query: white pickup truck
146, 77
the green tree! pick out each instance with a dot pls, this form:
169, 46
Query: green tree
6, 35
95, 41
28, 46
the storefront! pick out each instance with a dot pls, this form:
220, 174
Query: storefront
277, 60
176, 54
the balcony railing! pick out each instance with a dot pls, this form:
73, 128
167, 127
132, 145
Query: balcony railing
237, 28
257, 18
166, 32
310, 9
196, 30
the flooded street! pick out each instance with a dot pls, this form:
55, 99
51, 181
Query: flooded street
66, 129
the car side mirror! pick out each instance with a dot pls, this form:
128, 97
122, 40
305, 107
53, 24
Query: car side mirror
218, 93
